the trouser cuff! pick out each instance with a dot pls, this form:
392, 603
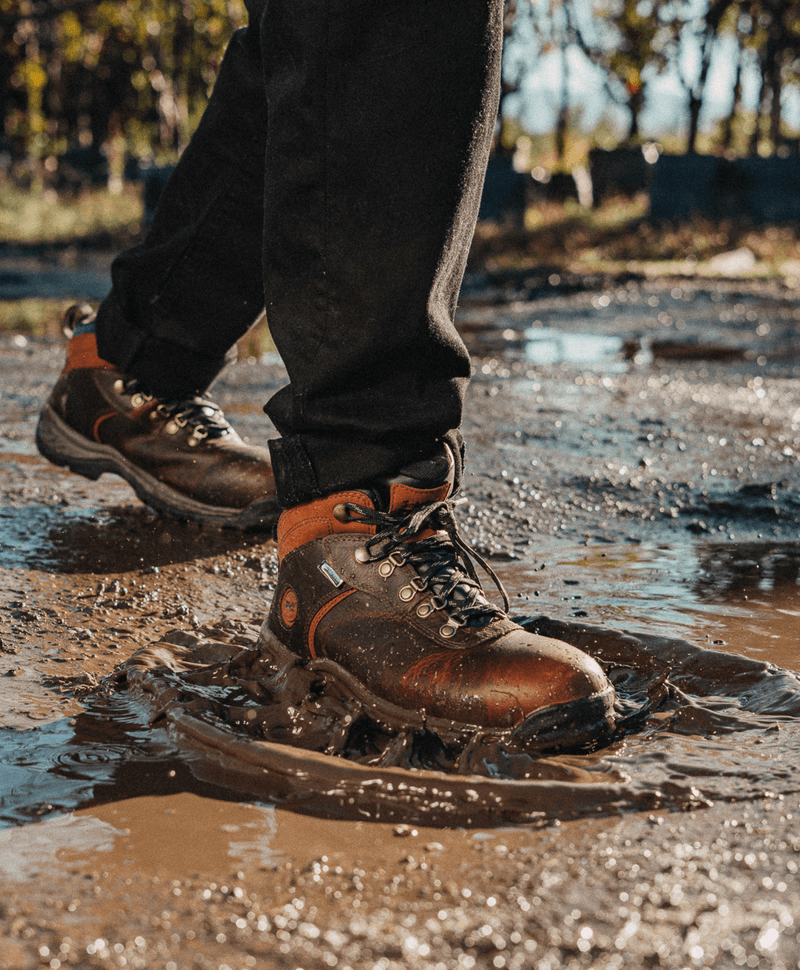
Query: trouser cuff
307, 468
167, 369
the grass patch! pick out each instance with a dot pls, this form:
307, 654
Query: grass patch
611, 239
28, 217
617, 236
45, 318
257, 341
35, 318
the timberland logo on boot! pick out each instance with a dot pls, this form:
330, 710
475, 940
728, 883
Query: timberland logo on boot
288, 606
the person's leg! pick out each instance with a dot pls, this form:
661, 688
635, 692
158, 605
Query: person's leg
127, 401
380, 120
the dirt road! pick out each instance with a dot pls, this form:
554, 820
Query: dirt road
634, 467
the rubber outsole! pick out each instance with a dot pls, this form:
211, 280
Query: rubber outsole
63, 446
572, 726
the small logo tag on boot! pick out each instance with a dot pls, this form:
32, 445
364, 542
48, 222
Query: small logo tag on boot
330, 573
288, 606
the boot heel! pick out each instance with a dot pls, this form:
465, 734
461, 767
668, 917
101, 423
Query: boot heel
62, 446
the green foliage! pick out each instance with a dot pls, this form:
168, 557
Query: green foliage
35, 318
632, 44
135, 74
47, 218
632, 41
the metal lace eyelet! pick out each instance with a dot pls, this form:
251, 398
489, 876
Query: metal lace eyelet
388, 566
416, 585
193, 442
341, 513
424, 609
171, 427
119, 386
138, 400
447, 631
361, 554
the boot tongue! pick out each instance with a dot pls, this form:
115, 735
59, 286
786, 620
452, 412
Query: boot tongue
420, 482
430, 472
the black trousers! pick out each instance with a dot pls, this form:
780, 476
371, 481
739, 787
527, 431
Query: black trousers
334, 178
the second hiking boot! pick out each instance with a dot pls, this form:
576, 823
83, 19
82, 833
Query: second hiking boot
377, 588
181, 457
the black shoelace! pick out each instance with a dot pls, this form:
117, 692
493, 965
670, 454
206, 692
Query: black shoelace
201, 416
445, 568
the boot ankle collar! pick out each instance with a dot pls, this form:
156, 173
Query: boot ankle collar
406, 498
82, 353
313, 520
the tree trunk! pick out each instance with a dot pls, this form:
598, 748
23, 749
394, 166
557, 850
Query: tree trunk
562, 120
695, 104
635, 106
775, 109
727, 127
755, 134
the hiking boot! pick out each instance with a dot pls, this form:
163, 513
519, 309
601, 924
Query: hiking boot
180, 457
377, 588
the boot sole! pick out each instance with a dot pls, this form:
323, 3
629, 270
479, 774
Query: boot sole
570, 726
63, 446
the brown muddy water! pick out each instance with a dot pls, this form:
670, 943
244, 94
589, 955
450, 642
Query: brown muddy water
634, 479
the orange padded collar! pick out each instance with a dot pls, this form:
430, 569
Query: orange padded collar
82, 353
313, 520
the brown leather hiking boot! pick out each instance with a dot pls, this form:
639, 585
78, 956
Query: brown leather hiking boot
389, 603
181, 457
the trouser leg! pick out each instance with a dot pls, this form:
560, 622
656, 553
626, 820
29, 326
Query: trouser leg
380, 121
181, 300
375, 120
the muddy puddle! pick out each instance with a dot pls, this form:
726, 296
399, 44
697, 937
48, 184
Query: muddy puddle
634, 481
697, 723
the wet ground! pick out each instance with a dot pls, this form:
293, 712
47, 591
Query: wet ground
634, 478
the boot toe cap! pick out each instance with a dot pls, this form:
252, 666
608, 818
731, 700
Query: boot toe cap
538, 672
500, 684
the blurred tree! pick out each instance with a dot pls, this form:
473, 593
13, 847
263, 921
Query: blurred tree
538, 29
628, 40
83, 72
632, 41
695, 31
729, 123
134, 76
510, 82
770, 31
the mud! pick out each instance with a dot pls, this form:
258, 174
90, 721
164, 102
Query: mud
634, 479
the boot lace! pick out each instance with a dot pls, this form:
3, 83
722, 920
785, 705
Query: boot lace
201, 416
445, 564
